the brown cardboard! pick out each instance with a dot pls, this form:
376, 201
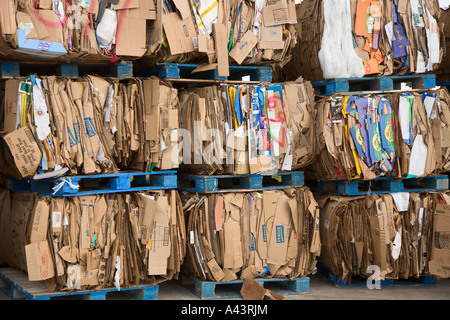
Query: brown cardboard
7, 22
52, 24
277, 12
152, 112
159, 249
24, 21
11, 100
271, 37
26, 155
279, 235
39, 261
439, 264
148, 204
252, 290
184, 8
221, 41
180, 33
145, 11
127, 4
45, 4
39, 221
246, 247
131, 36
243, 47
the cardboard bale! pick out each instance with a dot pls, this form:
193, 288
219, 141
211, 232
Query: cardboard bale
397, 135
443, 73
245, 235
209, 29
247, 128
395, 232
101, 131
63, 30
357, 38
93, 242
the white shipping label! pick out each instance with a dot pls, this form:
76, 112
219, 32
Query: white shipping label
56, 219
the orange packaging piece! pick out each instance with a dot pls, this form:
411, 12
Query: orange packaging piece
371, 66
362, 13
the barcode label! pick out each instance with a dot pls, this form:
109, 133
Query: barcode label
166, 237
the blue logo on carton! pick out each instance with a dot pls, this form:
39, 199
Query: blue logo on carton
279, 233
90, 128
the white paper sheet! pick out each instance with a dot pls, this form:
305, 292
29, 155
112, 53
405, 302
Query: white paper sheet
418, 157
444, 4
432, 40
397, 244
401, 200
389, 28
41, 116
429, 103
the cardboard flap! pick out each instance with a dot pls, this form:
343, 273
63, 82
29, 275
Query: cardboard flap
180, 33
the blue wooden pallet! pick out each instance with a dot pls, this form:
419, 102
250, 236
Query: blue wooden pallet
231, 289
347, 85
381, 185
357, 281
171, 71
15, 284
119, 70
443, 84
236, 183
96, 184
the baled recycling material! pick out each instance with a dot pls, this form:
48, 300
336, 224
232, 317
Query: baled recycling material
443, 73
242, 129
88, 125
403, 234
392, 134
251, 32
95, 241
245, 235
356, 38
184, 31
88, 31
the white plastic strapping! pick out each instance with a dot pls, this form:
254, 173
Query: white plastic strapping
337, 56
60, 183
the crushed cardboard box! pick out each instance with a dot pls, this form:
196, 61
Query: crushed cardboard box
88, 125
355, 38
93, 242
252, 290
168, 31
252, 33
394, 134
84, 30
244, 129
401, 233
443, 72
244, 235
